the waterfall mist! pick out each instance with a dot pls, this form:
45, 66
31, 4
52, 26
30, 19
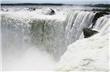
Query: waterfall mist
30, 59
33, 40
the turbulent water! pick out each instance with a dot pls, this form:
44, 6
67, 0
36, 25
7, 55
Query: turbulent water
33, 40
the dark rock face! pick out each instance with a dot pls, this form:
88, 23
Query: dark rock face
52, 12
98, 15
88, 32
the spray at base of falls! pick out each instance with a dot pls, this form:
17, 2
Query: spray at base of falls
31, 59
89, 54
86, 55
47, 33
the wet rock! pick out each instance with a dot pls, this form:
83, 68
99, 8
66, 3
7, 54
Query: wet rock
88, 32
52, 12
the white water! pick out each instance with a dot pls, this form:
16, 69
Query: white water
103, 24
26, 40
34, 41
77, 20
90, 54
31, 59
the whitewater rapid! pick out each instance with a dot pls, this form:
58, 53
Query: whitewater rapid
31, 38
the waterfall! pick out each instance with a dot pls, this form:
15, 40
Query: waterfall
76, 22
25, 31
89, 54
51, 35
21, 31
103, 24
15, 33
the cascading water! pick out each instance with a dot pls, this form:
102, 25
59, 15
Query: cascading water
103, 24
76, 22
22, 36
43, 32
89, 54
50, 35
